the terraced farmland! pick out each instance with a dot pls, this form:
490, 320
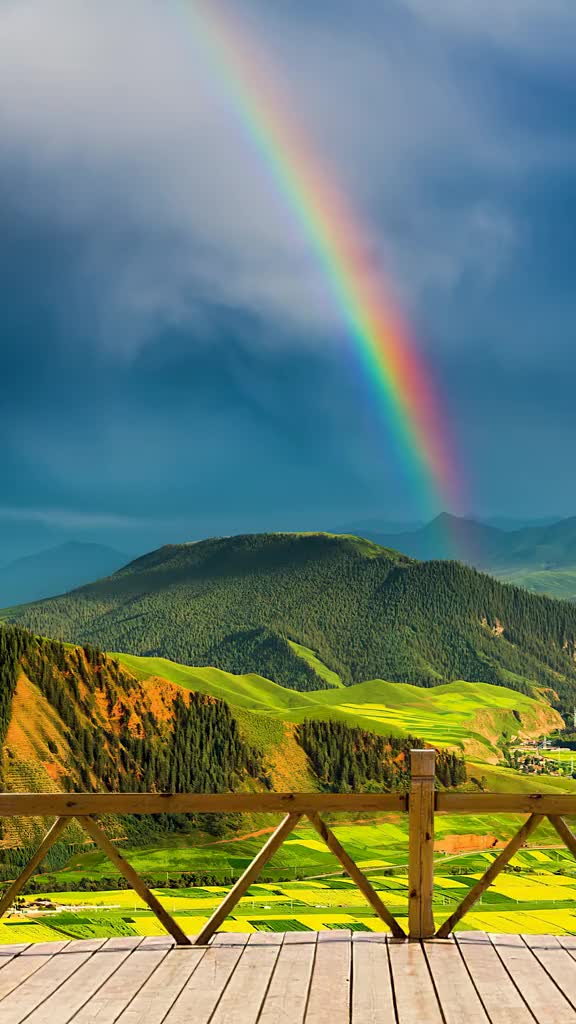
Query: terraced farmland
531, 899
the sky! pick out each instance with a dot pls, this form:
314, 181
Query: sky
173, 362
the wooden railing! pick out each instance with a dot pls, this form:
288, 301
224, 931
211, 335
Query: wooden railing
421, 805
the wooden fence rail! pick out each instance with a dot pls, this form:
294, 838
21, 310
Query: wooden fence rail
421, 804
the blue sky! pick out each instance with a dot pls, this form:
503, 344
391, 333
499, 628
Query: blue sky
173, 364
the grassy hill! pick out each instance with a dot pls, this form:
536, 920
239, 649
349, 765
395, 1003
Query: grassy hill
473, 717
312, 610
72, 718
559, 583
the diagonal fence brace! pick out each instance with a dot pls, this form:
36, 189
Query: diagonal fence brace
133, 879
565, 833
488, 877
357, 875
250, 875
50, 838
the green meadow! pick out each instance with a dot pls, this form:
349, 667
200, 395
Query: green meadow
560, 583
459, 714
319, 667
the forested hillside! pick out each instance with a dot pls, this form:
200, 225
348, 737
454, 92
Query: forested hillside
72, 719
348, 759
367, 612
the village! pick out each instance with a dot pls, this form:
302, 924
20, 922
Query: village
538, 757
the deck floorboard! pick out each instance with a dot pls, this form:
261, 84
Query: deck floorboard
541, 993
500, 997
297, 978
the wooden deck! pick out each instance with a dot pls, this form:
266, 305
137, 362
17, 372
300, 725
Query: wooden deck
331, 977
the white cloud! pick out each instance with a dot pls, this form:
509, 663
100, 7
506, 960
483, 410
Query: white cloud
540, 26
129, 142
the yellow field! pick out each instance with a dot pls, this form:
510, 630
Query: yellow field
516, 902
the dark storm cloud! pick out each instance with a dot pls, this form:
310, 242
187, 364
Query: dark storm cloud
173, 353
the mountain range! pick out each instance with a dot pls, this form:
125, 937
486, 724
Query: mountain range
539, 557
314, 611
55, 570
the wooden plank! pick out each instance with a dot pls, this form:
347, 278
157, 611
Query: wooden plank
488, 877
287, 995
372, 995
556, 961
421, 844
31, 958
121, 942
106, 1005
243, 996
18, 970
84, 945
457, 996
416, 1000
505, 803
53, 834
162, 941
39, 948
329, 998
201, 994
39, 986
568, 942
249, 876
74, 804
565, 833
10, 949
133, 879
6, 956
61, 1006
162, 988
502, 1000
357, 875
538, 990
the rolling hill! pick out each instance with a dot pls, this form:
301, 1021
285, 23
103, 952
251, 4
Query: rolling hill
473, 717
72, 718
258, 603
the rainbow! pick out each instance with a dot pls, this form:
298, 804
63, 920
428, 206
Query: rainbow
397, 373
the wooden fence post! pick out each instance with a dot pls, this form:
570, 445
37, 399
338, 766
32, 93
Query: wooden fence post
421, 844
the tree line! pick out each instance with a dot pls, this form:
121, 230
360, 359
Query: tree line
347, 759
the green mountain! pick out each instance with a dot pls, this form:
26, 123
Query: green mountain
248, 604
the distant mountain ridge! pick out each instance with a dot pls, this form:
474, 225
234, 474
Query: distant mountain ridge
531, 548
56, 570
247, 604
